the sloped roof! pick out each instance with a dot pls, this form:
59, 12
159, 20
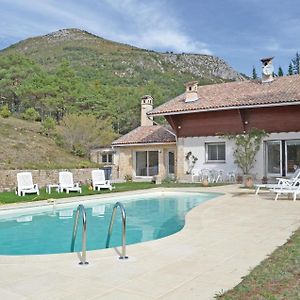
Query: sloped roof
283, 90
145, 135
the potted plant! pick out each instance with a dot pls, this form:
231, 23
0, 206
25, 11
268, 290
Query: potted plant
247, 146
264, 180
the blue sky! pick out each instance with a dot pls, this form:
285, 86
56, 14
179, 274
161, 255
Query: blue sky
239, 31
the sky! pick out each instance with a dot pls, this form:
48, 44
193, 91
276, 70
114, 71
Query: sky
238, 31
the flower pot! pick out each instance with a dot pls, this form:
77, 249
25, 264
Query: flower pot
205, 182
248, 181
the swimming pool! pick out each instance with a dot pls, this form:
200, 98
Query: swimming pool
48, 230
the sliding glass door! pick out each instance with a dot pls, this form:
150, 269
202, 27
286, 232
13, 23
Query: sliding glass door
146, 163
292, 156
273, 158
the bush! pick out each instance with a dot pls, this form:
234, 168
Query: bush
48, 126
5, 112
128, 178
31, 114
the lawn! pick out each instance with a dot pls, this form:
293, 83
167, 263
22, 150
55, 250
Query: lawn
11, 197
277, 277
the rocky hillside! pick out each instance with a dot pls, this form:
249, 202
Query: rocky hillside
71, 43
73, 70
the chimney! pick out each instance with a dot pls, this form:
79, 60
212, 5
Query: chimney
191, 91
146, 106
267, 70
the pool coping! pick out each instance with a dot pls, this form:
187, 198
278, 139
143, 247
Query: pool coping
200, 260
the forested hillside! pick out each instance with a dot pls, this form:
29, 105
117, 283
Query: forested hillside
74, 71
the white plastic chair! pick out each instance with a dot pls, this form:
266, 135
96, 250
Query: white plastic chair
283, 183
66, 183
290, 181
99, 182
294, 189
196, 173
25, 184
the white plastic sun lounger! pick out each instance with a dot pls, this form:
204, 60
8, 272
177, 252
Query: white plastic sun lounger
99, 182
25, 184
66, 183
293, 190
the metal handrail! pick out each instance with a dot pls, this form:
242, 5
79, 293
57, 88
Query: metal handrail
81, 209
123, 213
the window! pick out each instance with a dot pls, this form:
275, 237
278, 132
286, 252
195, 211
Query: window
146, 163
215, 152
106, 158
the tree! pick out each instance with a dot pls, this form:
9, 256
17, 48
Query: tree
254, 74
82, 132
290, 70
296, 63
247, 145
280, 72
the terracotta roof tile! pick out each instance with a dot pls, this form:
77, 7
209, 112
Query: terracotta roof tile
234, 94
146, 134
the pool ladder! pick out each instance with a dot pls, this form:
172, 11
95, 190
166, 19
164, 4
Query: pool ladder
123, 214
80, 209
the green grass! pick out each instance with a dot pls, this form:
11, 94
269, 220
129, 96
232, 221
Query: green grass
277, 277
11, 197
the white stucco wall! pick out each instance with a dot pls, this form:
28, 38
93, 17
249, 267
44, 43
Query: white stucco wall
197, 146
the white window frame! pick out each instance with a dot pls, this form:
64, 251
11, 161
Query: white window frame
107, 158
206, 152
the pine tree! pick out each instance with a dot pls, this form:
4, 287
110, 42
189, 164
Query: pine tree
290, 71
296, 63
280, 71
254, 74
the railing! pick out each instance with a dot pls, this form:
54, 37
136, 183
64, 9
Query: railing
123, 214
81, 209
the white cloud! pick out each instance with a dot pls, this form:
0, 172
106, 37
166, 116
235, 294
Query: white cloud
155, 27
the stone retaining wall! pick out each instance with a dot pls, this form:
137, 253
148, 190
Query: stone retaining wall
8, 178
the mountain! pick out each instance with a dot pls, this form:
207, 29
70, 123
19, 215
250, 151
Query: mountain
93, 75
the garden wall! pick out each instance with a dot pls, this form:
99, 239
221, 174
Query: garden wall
8, 178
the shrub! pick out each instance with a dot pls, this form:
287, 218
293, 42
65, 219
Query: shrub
128, 178
31, 114
5, 112
48, 126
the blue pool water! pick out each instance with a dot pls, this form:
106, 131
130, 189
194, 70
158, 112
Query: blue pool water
149, 217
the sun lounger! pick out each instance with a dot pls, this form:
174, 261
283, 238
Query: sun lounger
25, 184
99, 182
66, 183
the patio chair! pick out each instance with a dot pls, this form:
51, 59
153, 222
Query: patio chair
196, 173
291, 180
99, 182
25, 184
294, 189
66, 183
282, 183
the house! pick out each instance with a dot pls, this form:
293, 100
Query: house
203, 114
147, 151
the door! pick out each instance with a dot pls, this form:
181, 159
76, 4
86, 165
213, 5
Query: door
292, 154
171, 163
273, 158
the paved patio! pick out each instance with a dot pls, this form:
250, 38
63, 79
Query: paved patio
222, 240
